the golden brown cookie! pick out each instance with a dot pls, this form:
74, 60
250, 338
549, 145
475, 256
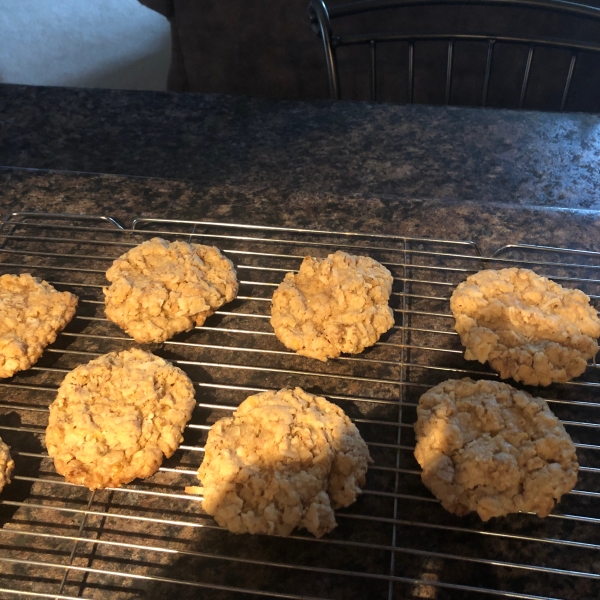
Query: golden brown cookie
526, 326
485, 446
333, 305
284, 459
115, 417
7, 464
159, 289
32, 313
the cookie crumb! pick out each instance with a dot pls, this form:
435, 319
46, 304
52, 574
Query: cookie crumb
7, 465
284, 459
485, 446
159, 289
526, 326
333, 305
115, 418
32, 313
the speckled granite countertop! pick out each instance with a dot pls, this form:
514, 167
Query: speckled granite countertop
344, 148
490, 225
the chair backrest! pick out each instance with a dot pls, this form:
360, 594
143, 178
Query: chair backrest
322, 15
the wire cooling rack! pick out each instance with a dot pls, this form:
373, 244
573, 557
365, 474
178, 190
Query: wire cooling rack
149, 538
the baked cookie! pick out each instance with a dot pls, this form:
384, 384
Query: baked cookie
485, 446
284, 459
7, 464
333, 305
526, 326
159, 288
32, 313
115, 417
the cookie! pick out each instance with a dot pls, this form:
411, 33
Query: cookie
159, 289
333, 305
7, 464
284, 459
32, 313
526, 326
116, 417
485, 446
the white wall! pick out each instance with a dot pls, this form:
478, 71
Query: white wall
85, 43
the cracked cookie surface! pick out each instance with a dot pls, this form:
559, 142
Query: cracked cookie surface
32, 313
485, 446
115, 418
526, 326
284, 459
333, 305
159, 289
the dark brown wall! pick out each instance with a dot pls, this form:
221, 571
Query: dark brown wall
256, 47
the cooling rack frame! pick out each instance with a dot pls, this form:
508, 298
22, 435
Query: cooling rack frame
62, 541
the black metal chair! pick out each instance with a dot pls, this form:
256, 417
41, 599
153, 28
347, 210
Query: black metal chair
323, 15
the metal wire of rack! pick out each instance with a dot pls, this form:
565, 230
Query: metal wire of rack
149, 538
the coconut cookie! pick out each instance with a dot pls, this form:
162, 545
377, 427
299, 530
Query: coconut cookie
485, 446
333, 305
115, 417
526, 326
284, 459
7, 464
159, 288
32, 313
